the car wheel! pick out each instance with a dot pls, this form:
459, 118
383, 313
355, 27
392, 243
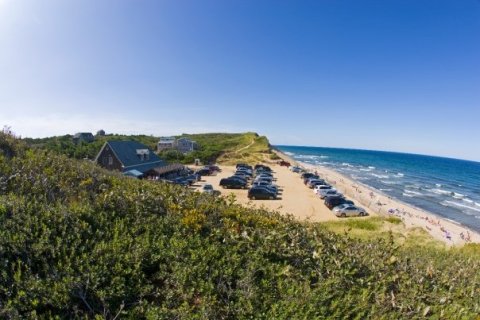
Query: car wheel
253, 198
271, 197
343, 215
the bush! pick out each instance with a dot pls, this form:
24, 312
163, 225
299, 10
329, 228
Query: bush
80, 242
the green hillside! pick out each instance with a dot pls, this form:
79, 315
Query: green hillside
213, 147
80, 242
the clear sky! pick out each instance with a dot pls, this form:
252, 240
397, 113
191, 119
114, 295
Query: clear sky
398, 75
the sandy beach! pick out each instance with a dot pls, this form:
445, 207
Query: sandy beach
377, 203
300, 201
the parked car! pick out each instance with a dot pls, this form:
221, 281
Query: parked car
244, 165
307, 175
207, 188
261, 193
262, 167
191, 179
308, 178
203, 172
242, 169
181, 181
266, 179
325, 193
232, 183
322, 187
333, 201
246, 171
214, 168
264, 175
242, 174
311, 183
284, 163
243, 179
349, 211
266, 184
295, 169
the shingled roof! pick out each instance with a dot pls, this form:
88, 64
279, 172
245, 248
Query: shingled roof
127, 152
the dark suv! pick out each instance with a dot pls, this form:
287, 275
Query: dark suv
232, 183
261, 193
333, 201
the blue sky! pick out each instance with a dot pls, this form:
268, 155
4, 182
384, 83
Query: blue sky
387, 75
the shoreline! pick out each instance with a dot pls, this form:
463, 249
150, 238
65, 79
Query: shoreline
448, 231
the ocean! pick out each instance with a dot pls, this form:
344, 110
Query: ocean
449, 188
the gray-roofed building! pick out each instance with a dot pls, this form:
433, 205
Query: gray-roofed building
131, 157
165, 143
83, 137
185, 145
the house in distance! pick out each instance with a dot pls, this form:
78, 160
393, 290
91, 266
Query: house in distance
182, 145
134, 159
86, 137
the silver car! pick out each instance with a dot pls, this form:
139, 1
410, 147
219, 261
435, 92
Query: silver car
327, 193
349, 211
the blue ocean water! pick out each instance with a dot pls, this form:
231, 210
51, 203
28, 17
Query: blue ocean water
449, 188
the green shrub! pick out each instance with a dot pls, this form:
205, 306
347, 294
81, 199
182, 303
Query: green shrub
394, 220
80, 242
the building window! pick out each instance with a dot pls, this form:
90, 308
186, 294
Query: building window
110, 160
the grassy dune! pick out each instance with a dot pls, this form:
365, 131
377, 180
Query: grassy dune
80, 242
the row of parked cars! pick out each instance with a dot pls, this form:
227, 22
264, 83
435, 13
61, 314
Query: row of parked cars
333, 199
259, 177
189, 177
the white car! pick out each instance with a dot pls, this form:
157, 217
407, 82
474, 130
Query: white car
349, 211
295, 169
327, 193
319, 187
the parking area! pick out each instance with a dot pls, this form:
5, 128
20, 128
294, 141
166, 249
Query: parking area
293, 197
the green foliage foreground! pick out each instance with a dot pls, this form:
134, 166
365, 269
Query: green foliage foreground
79, 242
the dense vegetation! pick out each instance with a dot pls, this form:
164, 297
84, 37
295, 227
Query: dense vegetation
77, 241
212, 146
65, 145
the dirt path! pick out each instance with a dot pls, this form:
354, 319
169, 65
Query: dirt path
246, 147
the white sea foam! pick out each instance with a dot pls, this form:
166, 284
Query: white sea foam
307, 156
380, 176
388, 182
461, 205
289, 153
458, 195
371, 167
477, 217
399, 174
467, 200
415, 193
415, 186
407, 195
324, 157
477, 204
385, 189
440, 191
438, 185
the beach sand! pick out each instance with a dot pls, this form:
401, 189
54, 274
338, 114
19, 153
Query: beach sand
298, 200
377, 203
